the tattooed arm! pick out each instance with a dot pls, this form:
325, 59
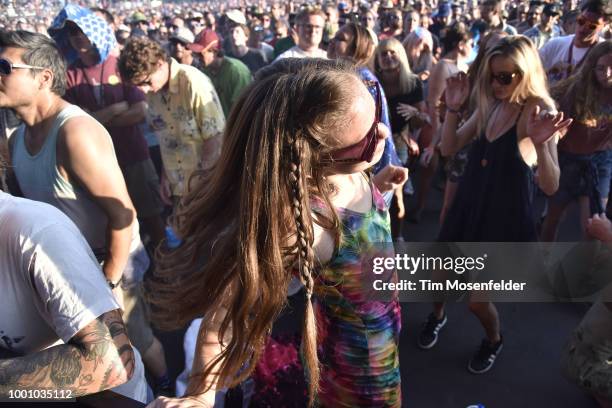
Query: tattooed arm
97, 358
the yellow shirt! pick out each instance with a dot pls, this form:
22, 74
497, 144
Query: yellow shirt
183, 116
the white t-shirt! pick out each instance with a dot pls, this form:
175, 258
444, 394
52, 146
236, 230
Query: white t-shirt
297, 52
51, 285
555, 55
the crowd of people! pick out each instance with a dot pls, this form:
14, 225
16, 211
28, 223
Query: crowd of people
196, 163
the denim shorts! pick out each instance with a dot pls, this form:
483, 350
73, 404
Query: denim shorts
584, 175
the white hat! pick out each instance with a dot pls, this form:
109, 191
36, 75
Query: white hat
183, 35
236, 16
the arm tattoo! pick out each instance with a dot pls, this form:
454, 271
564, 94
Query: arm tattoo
97, 358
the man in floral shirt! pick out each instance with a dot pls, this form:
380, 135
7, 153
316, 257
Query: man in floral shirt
184, 111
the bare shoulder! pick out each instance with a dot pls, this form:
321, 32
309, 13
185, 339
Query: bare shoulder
84, 132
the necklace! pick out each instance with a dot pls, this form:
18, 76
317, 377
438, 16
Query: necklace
485, 160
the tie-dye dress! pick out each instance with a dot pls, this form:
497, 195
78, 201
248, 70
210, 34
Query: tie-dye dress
358, 336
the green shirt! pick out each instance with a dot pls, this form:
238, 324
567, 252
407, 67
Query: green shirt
229, 81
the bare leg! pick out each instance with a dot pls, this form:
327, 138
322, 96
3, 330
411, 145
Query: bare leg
155, 360
438, 309
424, 184
585, 213
486, 312
449, 195
551, 222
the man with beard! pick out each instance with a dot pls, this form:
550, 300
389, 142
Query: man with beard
179, 45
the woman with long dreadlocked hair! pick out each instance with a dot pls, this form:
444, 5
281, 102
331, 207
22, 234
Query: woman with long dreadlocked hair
288, 195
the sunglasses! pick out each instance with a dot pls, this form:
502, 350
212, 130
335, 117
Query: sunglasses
362, 151
503, 78
7, 67
583, 21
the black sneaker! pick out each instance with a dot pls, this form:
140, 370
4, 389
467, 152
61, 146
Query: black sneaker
429, 333
485, 357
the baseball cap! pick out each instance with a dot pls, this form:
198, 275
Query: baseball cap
444, 9
236, 16
183, 35
138, 17
207, 38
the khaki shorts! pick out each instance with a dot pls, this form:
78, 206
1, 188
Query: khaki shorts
136, 318
143, 186
586, 359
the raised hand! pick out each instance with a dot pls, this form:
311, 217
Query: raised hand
541, 126
390, 178
457, 90
406, 110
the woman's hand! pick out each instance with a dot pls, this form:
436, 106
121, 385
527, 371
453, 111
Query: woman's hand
541, 126
427, 155
390, 178
187, 402
600, 227
413, 146
457, 91
407, 111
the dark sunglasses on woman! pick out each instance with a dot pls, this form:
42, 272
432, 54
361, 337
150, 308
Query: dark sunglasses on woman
364, 149
503, 78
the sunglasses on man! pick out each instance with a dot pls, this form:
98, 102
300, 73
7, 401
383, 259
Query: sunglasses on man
7, 67
362, 151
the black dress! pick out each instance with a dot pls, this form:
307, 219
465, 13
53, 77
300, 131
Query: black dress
494, 201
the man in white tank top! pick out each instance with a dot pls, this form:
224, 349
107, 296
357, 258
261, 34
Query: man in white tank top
62, 332
64, 157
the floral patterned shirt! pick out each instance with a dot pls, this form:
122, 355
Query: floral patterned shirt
183, 116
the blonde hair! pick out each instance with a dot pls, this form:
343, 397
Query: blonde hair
533, 84
425, 59
407, 79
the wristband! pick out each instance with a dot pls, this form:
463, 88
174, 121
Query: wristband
457, 112
113, 285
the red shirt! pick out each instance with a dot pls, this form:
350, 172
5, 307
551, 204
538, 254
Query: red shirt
83, 89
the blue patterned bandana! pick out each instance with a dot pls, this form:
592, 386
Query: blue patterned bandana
95, 28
